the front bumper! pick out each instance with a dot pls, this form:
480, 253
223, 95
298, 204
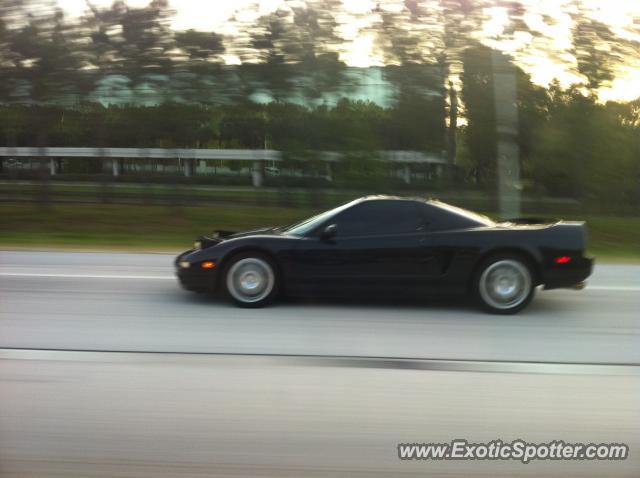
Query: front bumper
195, 278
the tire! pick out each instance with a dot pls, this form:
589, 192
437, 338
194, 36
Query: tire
504, 284
251, 280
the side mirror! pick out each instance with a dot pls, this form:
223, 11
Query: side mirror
329, 232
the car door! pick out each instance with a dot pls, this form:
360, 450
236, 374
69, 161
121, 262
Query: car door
379, 245
447, 256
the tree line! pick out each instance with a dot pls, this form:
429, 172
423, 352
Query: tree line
57, 71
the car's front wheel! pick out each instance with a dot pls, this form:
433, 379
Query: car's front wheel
504, 284
251, 280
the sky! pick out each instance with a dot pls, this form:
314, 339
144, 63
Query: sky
531, 54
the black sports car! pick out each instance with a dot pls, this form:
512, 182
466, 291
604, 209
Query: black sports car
388, 245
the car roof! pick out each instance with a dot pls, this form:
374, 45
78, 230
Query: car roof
377, 197
383, 197
442, 206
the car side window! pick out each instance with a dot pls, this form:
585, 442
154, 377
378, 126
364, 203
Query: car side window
437, 219
380, 217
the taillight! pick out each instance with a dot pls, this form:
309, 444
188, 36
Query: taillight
563, 259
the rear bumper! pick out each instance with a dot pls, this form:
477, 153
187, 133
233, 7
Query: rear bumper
570, 275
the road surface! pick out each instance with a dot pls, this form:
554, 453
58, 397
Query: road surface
130, 414
131, 302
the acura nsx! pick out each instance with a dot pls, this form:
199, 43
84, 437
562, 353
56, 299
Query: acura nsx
382, 245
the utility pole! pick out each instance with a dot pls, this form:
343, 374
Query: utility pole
453, 125
508, 160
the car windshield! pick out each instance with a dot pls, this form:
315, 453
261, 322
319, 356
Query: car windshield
304, 227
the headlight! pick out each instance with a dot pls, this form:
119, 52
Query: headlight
197, 245
184, 264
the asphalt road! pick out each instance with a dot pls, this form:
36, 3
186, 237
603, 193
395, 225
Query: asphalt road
111, 414
131, 302
105, 415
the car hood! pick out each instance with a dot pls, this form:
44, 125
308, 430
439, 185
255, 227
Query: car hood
204, 242
269, 231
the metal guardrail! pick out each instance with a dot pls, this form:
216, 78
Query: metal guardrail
188, 156
145, 153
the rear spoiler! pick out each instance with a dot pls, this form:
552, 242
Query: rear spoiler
207, 241
222, 233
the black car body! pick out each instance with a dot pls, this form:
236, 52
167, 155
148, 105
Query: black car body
388, 245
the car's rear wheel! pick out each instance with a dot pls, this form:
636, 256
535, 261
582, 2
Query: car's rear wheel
251, 280
504, 284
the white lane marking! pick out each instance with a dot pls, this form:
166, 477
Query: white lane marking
614, 287
115, 356
622, 288
84, 276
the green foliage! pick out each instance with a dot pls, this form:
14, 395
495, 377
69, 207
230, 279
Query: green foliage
479, 100
586, 150
55, 72
349, 126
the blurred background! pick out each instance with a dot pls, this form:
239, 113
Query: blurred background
138, 126
267, 111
